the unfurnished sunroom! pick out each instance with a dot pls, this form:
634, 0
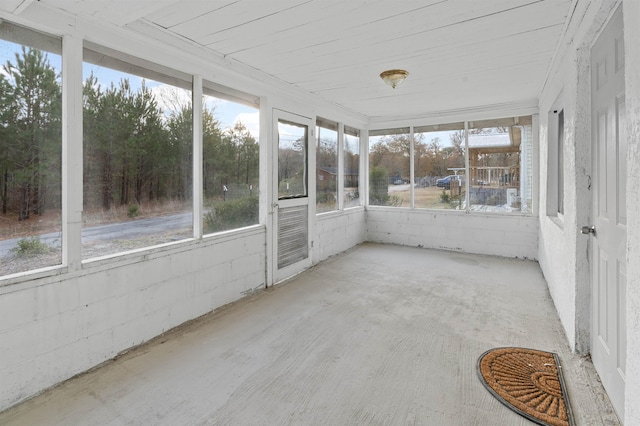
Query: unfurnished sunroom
160, 161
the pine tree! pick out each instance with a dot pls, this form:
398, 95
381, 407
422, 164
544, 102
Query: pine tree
35, 147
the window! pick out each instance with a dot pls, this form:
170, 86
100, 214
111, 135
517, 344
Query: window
389, 168
292, 160
231, 158
500, 165
555, 162
492, 159
439, 164
137, 154
326, 166
560, 166
351, 167
30, 149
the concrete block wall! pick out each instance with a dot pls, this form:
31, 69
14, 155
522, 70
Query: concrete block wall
491, 234
55, 327
563, 251
337, 232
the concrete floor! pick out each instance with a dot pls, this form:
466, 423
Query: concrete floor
379, 335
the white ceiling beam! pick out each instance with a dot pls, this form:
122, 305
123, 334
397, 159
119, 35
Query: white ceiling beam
23, 6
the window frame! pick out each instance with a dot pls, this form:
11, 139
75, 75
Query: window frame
401, 131
523, 120
223, 93
322, 123
47, 44
442, 127
556, 144
95, 55
560, 139
308, 134
357, 133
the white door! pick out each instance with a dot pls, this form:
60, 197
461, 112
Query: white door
608, 243
292, 211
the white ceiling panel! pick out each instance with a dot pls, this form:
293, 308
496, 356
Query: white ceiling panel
213, 25
118, 12
459, 53
12, 5
181, 12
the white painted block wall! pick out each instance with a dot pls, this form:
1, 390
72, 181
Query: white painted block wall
490, 234
56, 327
337, 232
558, 247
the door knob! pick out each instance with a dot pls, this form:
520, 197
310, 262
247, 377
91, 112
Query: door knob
588, 230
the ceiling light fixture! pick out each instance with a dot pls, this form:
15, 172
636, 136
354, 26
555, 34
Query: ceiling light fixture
393, 77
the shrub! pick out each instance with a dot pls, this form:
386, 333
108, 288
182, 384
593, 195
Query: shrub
134, 210
444, 197
394, 201
30, 247
232, 214
325, 197
378, 186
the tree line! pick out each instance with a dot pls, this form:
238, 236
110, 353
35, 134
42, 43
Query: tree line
30, 134
134, 151
433, 157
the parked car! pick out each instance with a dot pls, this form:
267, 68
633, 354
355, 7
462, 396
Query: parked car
445, 182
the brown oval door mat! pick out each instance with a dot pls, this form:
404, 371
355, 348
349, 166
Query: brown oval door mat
529, 382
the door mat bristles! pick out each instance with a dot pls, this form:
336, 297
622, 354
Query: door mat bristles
528, 381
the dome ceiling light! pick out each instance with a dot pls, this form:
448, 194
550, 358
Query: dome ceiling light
393, 77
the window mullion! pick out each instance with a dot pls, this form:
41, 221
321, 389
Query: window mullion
364, 167
466, 167
72, 148
340, 171
411, 168
197, 156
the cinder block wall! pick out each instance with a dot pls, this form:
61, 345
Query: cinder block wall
491, 234
55, 327
338, 232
